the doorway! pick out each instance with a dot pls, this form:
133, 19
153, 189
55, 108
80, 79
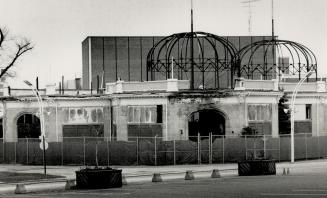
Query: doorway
206, 121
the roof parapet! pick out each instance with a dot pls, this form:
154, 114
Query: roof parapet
170, 85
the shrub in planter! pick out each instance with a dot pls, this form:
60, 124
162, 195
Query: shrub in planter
257, 163
98, 177
256, 167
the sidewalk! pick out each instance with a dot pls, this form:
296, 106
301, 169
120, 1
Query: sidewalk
134, 174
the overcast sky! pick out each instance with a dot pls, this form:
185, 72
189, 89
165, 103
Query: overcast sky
57, 27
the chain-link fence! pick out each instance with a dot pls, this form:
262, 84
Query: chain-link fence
91, 151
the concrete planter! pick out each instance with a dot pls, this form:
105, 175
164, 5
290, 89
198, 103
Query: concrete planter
256, 167
98, 178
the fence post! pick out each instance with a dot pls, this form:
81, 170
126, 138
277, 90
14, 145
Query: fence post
84, 150
108, 154
246, 148
62, 151
279, 147
264, 147
174, 152
27, 151
210, 148
155, 150
306, 146
318, 144
3, 150
15, 152
223, 149
199, 149
137, 151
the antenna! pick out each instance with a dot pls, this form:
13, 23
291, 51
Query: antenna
248, 4
272, 20
172, 67
192, 49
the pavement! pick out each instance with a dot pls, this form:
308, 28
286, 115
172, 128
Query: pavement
141, 174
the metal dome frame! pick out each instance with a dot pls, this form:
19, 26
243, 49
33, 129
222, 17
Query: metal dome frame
159, 58
301, 59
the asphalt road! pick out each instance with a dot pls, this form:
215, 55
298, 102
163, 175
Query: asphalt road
305, 185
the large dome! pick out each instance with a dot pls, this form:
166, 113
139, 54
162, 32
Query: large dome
207, 60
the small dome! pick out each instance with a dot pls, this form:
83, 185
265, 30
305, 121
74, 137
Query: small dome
278, 58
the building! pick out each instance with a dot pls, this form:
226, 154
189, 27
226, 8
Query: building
175, 87
107, 59
164, 109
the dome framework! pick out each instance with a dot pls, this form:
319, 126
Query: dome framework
280, 57
212, 61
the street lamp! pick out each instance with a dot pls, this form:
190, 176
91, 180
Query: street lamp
44, 144
39, 100
298, 85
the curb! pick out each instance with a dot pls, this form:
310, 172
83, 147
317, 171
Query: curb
23, 188
68, 184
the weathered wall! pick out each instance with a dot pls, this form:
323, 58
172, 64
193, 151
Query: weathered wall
55, 116
234, 109
120, 108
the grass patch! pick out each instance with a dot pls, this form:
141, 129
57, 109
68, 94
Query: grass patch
12, 177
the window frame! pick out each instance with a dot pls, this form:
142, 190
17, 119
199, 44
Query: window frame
143, 114
258, 110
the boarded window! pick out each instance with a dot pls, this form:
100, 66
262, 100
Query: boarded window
83, 131
260, 112
144, 130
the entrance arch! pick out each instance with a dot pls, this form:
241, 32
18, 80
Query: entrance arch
28, 126
206, 121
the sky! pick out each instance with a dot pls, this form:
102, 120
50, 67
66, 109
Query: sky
58, 27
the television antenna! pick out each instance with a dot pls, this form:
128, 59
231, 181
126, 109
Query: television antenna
248, 4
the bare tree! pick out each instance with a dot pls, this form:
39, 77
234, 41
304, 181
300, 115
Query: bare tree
11, 49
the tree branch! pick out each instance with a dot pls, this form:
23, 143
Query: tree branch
22, 48
2, 37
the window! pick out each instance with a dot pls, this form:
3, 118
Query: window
83, 115
145, 114
260, 112
308, 111
114, 115
303, 112
159, 113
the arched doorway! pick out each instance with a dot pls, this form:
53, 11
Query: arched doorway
206, 121
28, 126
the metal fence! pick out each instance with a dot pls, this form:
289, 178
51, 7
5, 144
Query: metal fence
90, 151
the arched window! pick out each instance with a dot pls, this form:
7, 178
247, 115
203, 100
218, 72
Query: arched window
28, 126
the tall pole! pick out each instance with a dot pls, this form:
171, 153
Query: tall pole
42, 137
298, 85
192, 48
172, 67
273, 39
272, 20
